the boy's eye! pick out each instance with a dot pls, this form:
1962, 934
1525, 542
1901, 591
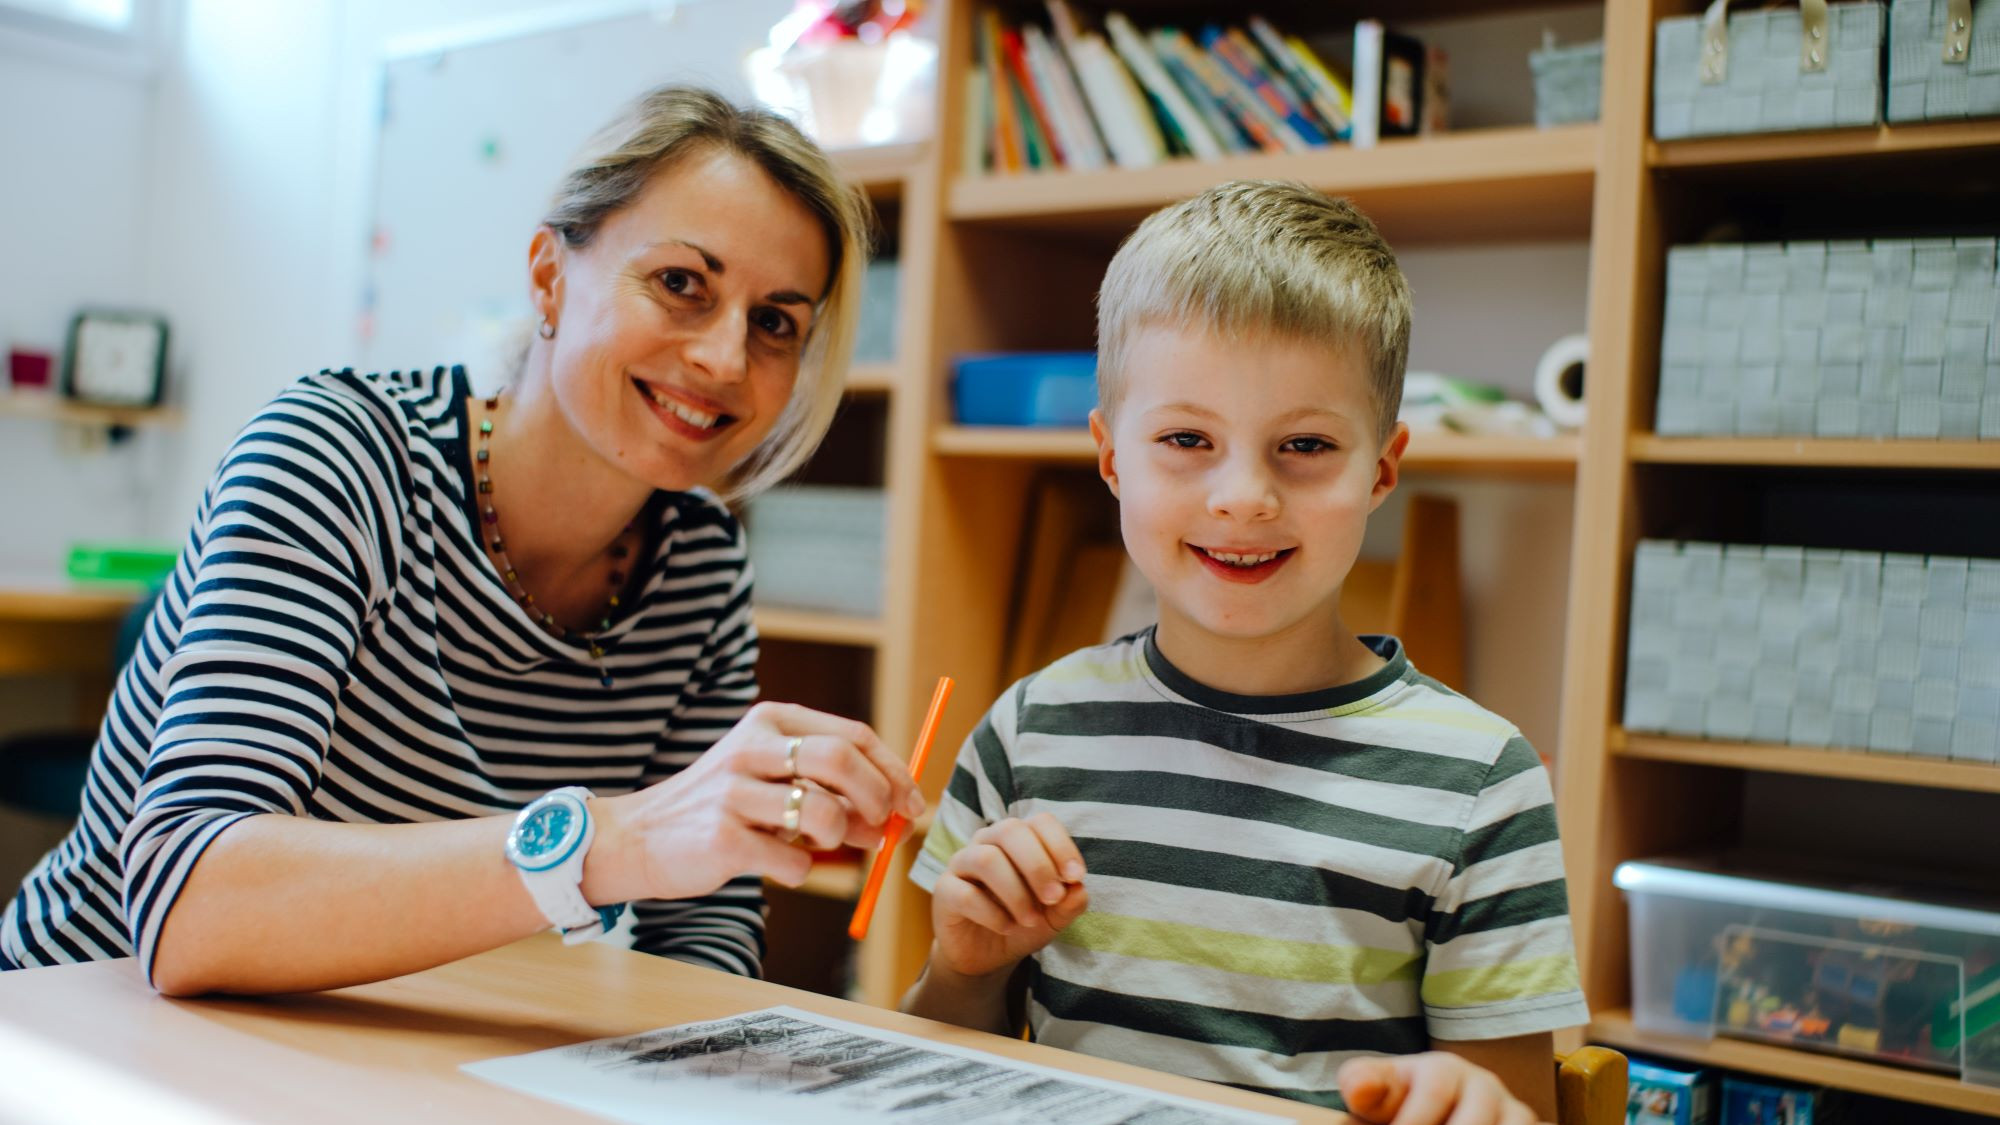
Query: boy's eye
1307, 445
1184, 440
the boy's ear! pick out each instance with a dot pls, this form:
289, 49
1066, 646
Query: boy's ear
1389, 467
1107, 463
545, 274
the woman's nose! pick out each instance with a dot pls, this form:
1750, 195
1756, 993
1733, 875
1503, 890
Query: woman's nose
720, 347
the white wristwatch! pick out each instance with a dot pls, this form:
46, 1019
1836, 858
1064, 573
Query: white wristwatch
547, 845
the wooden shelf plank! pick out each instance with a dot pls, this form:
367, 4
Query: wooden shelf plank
780, 623
834, 879
58, 409
1853, 765
1516, 184
1837, 144
880, 170
871, 378
1873, 453
1436, 452
1615, 1027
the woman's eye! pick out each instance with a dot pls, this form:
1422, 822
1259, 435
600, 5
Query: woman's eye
1184, 440
679, 282
774, 322
1308, 445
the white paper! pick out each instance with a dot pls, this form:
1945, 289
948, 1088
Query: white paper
785, 1064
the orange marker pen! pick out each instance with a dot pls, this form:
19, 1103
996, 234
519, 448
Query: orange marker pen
892, 832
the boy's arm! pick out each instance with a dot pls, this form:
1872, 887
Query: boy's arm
984, 1003
1525, 1064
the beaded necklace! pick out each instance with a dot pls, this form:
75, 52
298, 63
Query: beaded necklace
496, 544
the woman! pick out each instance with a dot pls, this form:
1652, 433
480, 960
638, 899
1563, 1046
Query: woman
436, 672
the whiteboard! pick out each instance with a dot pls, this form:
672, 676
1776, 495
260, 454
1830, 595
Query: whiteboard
472, 140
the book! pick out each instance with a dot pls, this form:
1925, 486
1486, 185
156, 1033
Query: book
1250, 116
1008, 152
1039, 138
1130, 131
1388, 83
975, 153
1243, 59
1220, 123
1325, 106
1173, 105
1082, 147
1330, 90
1435, 116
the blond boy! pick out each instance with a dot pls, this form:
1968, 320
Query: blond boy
1247, 845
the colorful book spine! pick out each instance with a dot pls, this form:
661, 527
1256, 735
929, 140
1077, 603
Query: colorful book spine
1325, 109
1042, 149
1220, 122
1078, 137
1249, 115
1368, 36
1246, 69
1173, 106
1328, 88
1009, 155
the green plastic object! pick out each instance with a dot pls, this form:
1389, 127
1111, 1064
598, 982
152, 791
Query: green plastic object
145, 563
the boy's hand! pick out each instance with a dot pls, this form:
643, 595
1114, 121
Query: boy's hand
1006, 894
1428, 1089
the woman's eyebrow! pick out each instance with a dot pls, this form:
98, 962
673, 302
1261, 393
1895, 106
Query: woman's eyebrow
781, 297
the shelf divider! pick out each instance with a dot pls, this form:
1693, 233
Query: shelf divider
1853, 765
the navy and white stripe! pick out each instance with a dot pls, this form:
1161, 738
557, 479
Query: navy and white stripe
334, 643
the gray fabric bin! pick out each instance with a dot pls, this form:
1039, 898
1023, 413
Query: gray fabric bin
1765, 72
1898, 338
1938, 69
1569, 83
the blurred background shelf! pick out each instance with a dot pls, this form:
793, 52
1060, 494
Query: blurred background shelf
1830, 452
814, 627
58, 409
1853, 765
1846, 145
1615, 1028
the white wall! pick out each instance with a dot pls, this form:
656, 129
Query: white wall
72, 206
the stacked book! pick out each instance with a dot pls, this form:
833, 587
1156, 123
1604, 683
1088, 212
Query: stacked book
1087, 96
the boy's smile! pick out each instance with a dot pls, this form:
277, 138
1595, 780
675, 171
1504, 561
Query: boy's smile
1245, 472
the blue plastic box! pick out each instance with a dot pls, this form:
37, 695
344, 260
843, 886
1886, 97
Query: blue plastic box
1664, 1094
1748, 1102
1025, 389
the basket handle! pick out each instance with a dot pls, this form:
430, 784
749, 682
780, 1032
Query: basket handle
1813, 42
1957, 31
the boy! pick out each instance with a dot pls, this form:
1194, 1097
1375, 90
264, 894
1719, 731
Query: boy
1246, 845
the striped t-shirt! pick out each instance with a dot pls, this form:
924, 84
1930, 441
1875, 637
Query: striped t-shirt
1277, 883
335, 643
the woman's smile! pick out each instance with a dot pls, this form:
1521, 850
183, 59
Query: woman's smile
686, 414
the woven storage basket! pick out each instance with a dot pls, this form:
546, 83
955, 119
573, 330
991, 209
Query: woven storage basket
1895, 338
1818, 66
1944, 59
1569, 83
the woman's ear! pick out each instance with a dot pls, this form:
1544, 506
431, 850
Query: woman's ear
1107, 460
545, 273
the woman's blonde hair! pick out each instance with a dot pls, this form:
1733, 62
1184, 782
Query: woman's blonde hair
670, 122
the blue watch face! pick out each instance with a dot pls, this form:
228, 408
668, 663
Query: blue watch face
546, 837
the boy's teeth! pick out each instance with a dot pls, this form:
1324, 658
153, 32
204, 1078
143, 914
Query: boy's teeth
1240, 560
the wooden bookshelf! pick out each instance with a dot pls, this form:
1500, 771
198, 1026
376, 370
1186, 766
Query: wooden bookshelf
1511, 184
881, 170
871, 378
1818, 452
54, 408
1615, 1028
1429, 452
1844, 146
834, 879
779, 623
1852, 765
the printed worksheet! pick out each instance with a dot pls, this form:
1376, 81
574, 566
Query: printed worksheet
785, 1064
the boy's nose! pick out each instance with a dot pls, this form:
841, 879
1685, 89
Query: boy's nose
1242, 492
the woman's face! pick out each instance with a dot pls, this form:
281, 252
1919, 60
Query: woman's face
679, 328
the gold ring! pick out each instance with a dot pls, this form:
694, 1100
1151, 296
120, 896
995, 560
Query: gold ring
788, 825
792, 757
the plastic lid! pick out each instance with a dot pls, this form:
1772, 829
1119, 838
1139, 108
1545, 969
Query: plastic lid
1683, 879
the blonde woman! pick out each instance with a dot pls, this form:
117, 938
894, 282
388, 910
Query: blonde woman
438, 671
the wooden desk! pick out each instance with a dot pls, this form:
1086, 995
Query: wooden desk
54, 628
391, 1051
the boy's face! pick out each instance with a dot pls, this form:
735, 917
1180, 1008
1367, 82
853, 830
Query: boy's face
1245, 473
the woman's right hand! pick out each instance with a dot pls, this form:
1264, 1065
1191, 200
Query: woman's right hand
722, 816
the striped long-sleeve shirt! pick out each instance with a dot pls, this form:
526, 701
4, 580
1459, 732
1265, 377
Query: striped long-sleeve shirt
1277, 883
335, 643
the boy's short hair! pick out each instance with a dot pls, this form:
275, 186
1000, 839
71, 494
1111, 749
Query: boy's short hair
1256, 257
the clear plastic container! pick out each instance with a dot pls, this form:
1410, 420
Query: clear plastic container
1759, 949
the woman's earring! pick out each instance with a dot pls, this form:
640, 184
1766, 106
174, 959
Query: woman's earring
547, 330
